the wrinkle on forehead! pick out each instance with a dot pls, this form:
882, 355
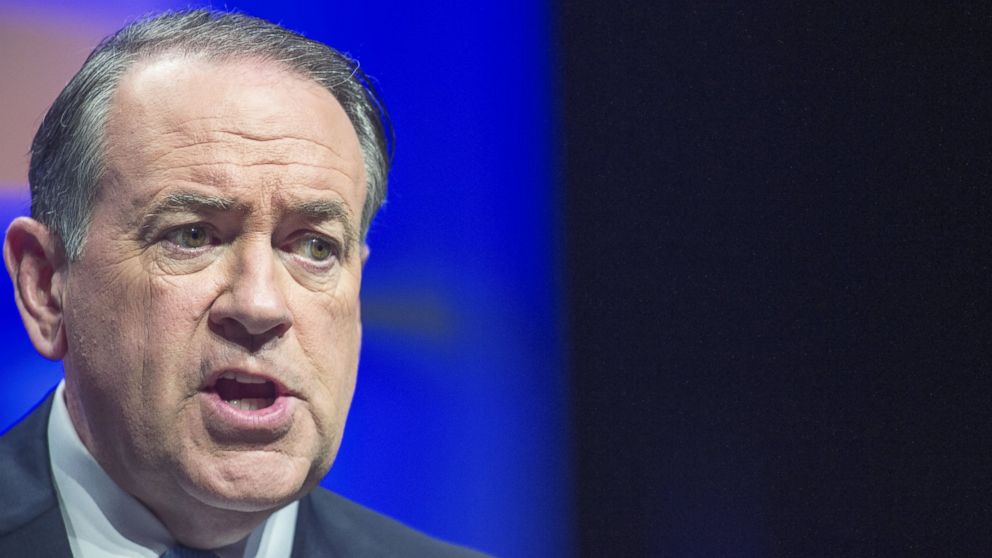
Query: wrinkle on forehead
222, 174
288, 151
188, 147
255, 124
192, 134
192, 125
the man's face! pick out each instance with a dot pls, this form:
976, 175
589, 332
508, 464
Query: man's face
213, 317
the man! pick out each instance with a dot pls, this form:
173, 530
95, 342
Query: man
201, 191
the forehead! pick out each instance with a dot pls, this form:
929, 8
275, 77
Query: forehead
232, 123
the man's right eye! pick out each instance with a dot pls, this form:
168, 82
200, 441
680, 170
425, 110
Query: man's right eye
189, 237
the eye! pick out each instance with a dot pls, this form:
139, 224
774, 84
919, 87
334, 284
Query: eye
318, 249
189, 237
315, 248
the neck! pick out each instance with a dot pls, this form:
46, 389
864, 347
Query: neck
208, 528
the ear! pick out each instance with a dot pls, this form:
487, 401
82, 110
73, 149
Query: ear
37, 265
365, 253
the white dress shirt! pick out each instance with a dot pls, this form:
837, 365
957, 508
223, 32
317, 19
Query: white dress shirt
104, 521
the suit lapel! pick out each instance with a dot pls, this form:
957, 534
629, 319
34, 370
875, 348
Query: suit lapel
43, 536
30, 521
309, 537
323, 531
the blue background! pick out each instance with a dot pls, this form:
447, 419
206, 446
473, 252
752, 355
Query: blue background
459, 426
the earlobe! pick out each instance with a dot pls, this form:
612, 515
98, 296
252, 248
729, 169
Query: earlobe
365, 253
36, 264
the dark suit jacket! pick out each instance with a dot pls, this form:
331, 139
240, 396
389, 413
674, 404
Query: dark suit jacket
327, 525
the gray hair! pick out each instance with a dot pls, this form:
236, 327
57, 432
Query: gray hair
67, 153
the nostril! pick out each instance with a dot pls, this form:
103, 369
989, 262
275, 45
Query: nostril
234, 331
253, 319
253, 301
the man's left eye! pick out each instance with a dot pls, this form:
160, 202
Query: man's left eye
190, 236
315, 248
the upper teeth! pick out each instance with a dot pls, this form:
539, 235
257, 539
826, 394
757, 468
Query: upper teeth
243, 378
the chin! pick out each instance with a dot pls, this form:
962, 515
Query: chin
251, 481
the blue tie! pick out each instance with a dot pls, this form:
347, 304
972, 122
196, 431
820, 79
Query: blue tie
187, 552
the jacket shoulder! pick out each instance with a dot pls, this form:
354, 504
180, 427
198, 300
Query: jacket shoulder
25, 472
30, 520
332, 525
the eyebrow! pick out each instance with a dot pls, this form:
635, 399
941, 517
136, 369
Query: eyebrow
313, 211
185, 201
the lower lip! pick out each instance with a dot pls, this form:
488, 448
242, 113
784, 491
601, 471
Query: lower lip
229, 423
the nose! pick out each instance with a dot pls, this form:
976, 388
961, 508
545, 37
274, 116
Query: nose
252, 309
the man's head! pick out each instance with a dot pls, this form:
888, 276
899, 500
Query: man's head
202, 189
67, 162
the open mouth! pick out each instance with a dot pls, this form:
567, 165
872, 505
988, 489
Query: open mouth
244, 391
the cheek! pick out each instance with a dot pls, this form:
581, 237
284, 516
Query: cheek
177, 309
329, 334
174, 337
331, 327
104, 341
106, 321
141, 350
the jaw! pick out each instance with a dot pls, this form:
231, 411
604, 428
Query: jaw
199, 526
208, 491
210, 494
248, 481
222, 497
